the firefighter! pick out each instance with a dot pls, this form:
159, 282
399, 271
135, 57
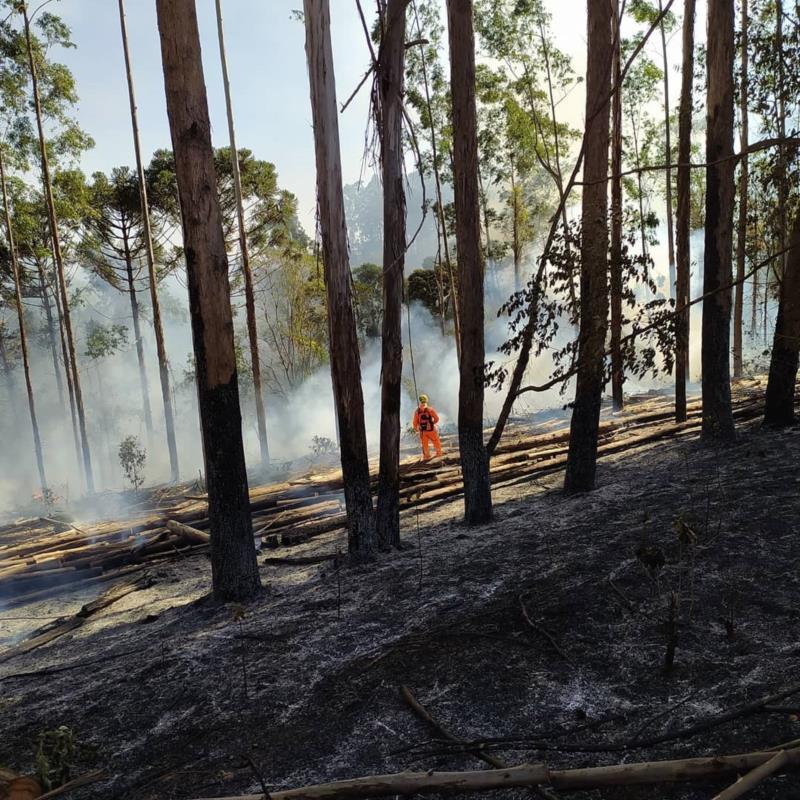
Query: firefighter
425, 421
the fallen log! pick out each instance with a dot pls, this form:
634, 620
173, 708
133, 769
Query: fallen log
65, 625
528, 775
189, 533
754, 777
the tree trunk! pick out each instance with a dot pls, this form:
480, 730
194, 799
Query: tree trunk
233, 556
783, 365
51, 331
683, 218
23, 336
163, 363
717, 414
474, 457
439, 199
137, 333
582, 459
67, 371
391, 64
741, 237
345, 359
51, 210
249, 294
668, 161
516, 249
783, 188
615, 267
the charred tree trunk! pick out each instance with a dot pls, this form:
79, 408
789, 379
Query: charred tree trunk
158, 330
391, 65
783, 365
51, 211
717, 413
23, 336
668, 161
474, 457
345, 360
683, 217
582, 458
615, 267
233, 556
137, 333
741, 233
249, 293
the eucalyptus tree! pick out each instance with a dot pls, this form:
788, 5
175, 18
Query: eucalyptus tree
244, 250
427, 94
233, 557
717, 275
582, 456
148, 242
389, 78
55, 32
474, 456
684, 212
344, 356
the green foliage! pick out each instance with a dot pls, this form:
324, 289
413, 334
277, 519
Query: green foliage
56, 753
368, 296
104, 340
295, 320
323, 446
423, 289
132, 457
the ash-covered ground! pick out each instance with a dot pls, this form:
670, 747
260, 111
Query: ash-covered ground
179, 699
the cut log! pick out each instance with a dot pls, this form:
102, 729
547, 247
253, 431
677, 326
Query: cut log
188, 532
527, 775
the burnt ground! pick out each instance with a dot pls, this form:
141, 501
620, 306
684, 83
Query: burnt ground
178, 698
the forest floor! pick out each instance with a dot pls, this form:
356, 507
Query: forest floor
176, 699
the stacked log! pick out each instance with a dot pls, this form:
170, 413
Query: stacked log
43, 554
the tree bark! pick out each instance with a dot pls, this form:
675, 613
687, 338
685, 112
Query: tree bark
391, 65
474, 457
442, 222
615, 267
683, 217
68, 372
668, 161
783, 365
717, 416
345, 359
51, 331
163, 363
582, 460
137, 333
249, 293
741, 233
51, 210
23, 336
233, 556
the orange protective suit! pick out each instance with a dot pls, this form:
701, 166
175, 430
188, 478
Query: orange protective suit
425, 421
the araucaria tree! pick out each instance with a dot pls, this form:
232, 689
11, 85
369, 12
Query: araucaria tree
233, 556
582, 458
474, 456
389, 77
343, 337
715, 355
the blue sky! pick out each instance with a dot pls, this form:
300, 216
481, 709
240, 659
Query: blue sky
266, 61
